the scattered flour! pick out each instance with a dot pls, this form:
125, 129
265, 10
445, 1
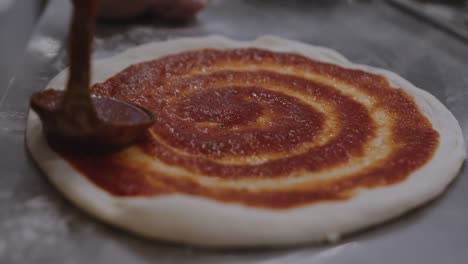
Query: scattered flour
30, 228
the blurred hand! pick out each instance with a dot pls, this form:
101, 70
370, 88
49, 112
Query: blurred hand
173, 10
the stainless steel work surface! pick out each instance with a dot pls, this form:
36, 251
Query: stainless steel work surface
38, 226
450, 17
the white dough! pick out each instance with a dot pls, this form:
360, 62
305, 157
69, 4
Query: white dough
201, 221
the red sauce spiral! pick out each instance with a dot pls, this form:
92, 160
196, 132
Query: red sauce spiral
261, 128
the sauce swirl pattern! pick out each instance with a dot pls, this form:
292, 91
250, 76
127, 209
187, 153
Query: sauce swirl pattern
261, 128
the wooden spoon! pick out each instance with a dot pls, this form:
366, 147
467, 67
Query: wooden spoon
75, 117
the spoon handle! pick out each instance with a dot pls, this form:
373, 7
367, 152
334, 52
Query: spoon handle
77, 98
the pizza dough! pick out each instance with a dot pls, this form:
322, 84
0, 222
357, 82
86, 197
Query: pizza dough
189, 183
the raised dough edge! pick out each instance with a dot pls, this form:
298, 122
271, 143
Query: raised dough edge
205, 222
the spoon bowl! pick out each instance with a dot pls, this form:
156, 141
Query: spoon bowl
114, 124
